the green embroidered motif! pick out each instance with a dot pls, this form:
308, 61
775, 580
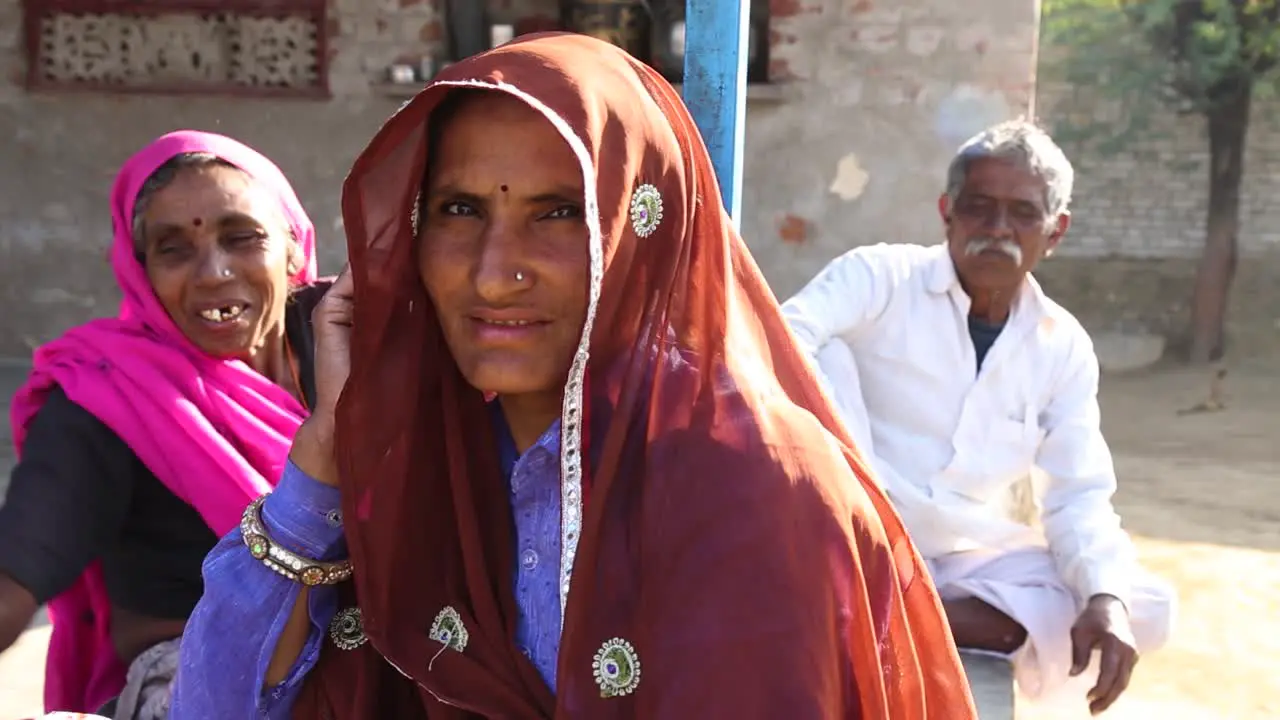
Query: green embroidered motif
646, 210
616, 668
449, 631
347, 629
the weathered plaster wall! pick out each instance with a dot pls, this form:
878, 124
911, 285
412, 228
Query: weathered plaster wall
883, 91
877, 95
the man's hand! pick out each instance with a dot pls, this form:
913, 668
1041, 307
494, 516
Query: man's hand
1104, 626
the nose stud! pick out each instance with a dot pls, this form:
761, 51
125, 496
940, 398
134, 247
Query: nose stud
226, 272
519, 276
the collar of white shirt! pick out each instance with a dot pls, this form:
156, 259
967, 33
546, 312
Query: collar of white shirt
1032, 304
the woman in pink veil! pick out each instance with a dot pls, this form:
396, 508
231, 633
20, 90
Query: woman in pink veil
141, 438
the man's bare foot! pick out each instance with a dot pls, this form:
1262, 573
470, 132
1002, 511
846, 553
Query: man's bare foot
978, 626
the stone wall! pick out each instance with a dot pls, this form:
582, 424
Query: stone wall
1151, 295
1149, 199
1138, 221
849, 147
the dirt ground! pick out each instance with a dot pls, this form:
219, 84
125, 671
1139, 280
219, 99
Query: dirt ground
1201, 495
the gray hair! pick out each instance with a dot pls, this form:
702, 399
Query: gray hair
1027, 145
160, 179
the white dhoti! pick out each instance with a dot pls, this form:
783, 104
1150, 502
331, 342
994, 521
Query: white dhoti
1024, 584
983, 539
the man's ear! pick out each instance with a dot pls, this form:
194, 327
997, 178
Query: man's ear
944, 208
1063, 223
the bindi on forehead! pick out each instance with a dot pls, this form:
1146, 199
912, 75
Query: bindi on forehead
504, 188
196, 222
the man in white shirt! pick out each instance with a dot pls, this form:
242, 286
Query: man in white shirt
961, 381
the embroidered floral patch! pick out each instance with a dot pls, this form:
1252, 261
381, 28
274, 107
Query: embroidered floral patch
646, 210
347, 629
449, 631
616, 668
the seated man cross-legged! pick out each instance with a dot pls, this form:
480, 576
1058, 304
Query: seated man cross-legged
962, 382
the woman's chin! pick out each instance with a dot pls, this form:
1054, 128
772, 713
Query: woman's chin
509, 381
500, 390
231, 350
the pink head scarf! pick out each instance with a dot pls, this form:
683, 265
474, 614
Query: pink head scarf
214, 431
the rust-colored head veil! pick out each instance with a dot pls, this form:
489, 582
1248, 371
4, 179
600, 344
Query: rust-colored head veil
714, 514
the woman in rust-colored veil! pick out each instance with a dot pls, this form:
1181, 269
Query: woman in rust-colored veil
716, 547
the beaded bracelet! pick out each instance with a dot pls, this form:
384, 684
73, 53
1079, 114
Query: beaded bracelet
287, 563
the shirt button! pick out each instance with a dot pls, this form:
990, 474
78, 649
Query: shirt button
334, 518
529, 559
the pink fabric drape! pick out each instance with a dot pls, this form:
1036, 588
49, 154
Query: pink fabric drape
215, 432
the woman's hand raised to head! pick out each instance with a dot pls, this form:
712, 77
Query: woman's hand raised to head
331, 322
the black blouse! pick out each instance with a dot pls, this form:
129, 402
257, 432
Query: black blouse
80, 494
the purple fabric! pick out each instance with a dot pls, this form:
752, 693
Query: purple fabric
245, 605
535, 503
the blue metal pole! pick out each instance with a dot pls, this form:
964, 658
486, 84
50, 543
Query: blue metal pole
715, 86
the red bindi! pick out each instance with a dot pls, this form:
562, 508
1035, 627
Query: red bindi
197, 222
504, 188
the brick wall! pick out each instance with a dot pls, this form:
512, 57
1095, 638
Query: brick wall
1138, 219
370, 35
1149, 199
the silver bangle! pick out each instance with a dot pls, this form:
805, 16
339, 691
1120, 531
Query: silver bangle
289, 564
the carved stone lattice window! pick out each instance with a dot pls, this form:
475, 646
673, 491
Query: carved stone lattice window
257, 47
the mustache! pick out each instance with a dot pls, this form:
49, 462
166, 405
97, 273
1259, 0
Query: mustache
982, 244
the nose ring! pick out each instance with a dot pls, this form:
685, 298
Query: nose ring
519, 276
226, 272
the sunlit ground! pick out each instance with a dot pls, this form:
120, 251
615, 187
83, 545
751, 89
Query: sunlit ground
1222, 662
1201, 494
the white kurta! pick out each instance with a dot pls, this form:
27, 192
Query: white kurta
888, 328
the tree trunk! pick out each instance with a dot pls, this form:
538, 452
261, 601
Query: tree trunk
1228, 128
